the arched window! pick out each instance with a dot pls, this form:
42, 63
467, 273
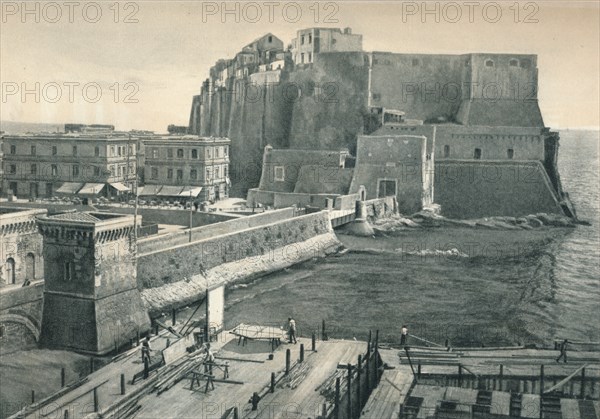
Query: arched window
513, 62
477, 154
489, 63
510, 153
10, 271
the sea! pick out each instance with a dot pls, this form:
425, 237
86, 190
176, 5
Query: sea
451, 285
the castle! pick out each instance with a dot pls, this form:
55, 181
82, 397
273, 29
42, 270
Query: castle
487, 146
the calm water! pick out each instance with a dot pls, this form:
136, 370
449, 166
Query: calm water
470, 286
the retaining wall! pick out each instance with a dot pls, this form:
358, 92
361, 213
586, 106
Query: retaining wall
475, 189
179, 275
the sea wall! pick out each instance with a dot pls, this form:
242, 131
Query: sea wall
20, 316
178, 275
163, 242
474, 189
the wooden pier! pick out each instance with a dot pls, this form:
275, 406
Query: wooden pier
333, 379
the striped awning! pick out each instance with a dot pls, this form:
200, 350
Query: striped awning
192, 191
69, 187
119, 187
91, 189
149, 190
169, 190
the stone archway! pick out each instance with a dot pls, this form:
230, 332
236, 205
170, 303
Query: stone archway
24, 321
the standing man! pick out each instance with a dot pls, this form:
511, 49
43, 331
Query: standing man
146, 355
563, 351
403, 335
292, 330
209, 360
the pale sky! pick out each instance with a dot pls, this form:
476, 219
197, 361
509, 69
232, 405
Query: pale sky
167, 53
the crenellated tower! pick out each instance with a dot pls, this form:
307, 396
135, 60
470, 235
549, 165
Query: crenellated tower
91, 301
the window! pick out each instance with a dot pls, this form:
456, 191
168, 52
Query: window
310, 57
208, 152
170, 153
68, 272
513, 62
180, 153
489, 63
74, 150
225, 171
33, 168
169, 173
179, 174
120, 150
279, 173
510, 153
477, 154
54, 170
112, 171
302, 58
33, 150
96, 171
96, 151
217, 172
13, 187
217, 152
112, 150
75, 170
10, 268
13, 149
226, 150
120, 171
207, 173
48, 189
302, 40
193, 174
194, 154
155, 153
270, 39
54, 150
386, 188
154, 174
12, 169
446, 151
310, 38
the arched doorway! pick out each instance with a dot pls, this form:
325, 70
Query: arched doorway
30, 266
10, 271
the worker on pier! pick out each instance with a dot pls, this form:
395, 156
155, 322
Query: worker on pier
563, 351
403, 335
146, 355
292, 330
209, 360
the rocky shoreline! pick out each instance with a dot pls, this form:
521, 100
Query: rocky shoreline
429, 219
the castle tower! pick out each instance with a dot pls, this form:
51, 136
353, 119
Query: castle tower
91, 302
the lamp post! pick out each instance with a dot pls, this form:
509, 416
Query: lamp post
190, 215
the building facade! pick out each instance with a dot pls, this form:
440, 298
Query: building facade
86, 164
311, 41
190, 162
20, 246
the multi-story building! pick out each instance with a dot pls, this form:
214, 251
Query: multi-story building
311, 41
1, 163
177, 166
43, 165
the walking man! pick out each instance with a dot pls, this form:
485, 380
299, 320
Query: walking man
403, 335
563, 351
292, 330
